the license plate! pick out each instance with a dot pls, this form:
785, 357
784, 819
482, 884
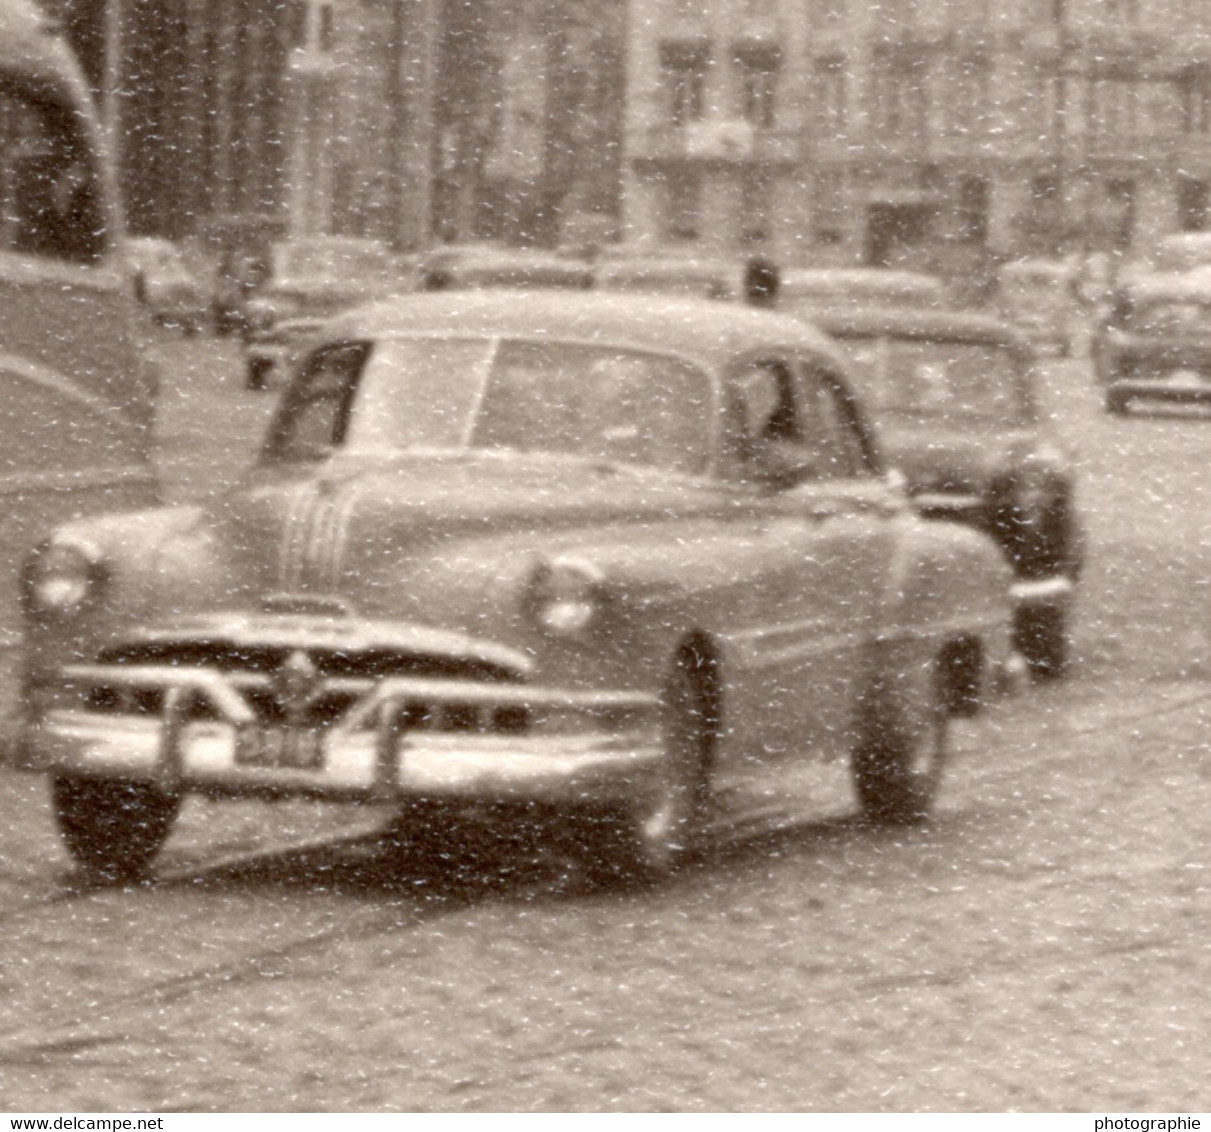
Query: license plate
279, 748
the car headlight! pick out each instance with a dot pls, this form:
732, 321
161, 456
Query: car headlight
61, 578
566, 596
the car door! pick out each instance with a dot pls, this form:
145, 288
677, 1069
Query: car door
823, 518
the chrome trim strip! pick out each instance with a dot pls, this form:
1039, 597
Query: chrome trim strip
1059, 587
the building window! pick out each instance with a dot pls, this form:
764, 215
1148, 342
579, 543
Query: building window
828, 207
828, 82
973, 210
1196, 102
683, 205
1121, 202
684, 68
1114, 108
971, 83
756, 206
1121, 11
1193, 196
899, 97
758, 85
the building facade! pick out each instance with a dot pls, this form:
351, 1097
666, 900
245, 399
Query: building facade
412, 121
931, 132
934, 132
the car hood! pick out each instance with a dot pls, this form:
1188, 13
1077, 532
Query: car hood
941, 458
442, 541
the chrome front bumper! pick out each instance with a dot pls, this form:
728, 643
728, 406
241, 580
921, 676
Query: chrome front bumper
1046, 593
599, 747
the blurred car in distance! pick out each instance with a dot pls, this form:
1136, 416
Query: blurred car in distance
953, 394
581, 563
1040, 297
477, 266
1155, 344
803, 290
1181, 251
309, 279
701, 277
165, 285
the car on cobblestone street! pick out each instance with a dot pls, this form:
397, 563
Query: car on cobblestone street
954, 396
629, 567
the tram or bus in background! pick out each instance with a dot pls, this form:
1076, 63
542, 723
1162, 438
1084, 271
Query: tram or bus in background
77, 389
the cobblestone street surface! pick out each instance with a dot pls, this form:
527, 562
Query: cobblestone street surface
1042, 945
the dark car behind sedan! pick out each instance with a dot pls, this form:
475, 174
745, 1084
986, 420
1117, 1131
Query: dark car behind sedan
1156, 342
953, 392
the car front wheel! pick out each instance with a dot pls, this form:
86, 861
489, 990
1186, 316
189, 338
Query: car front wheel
899, 763
650, 837
113, 828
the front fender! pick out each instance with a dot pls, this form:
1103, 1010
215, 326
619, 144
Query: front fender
948, 584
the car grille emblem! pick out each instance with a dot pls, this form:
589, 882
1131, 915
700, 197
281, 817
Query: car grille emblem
295, 686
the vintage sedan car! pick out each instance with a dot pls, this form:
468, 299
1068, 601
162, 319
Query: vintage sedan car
704, 277
804, 290
953, 394
476, 266
1039, 296
308, 281
631, 566
1156, 342
173, 294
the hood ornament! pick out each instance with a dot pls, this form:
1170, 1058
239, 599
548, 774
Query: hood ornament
295, 686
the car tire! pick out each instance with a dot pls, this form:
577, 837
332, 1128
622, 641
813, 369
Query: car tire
649, 838
258, 373
111, 827
1041, 636
899, 763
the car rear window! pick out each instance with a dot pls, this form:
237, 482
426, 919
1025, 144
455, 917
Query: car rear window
949, 380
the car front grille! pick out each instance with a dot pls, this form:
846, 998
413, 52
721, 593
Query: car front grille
338, 679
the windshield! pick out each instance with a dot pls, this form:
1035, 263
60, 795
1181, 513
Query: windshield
595, 402
949, 380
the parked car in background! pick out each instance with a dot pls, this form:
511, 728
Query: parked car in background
953, 394
308, 280
632, 569
476, 266
1155, 345
804, 290
687, 276
1041, 298
1181, 251
166, 286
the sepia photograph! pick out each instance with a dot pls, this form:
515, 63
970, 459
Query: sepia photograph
605, 556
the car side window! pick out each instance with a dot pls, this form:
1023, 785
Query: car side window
315, 411
844, 448
775, 447
50, 199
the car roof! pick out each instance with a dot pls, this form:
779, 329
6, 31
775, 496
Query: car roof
910, 322
709, 331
